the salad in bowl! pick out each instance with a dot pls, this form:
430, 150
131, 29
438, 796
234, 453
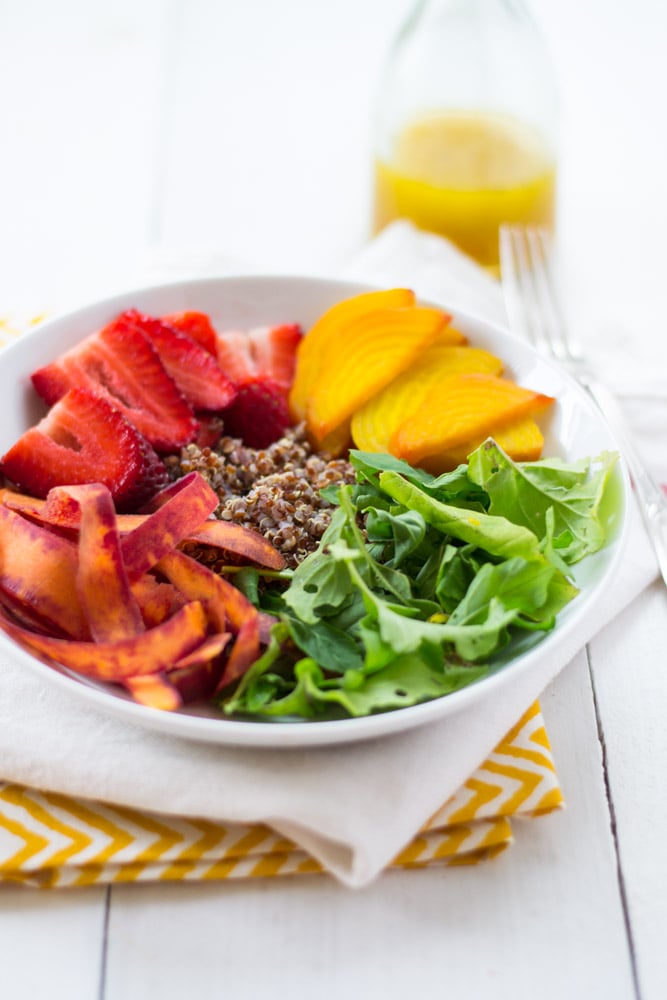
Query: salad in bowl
239, 502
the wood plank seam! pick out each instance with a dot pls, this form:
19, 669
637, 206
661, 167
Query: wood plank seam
614, 832
102, 990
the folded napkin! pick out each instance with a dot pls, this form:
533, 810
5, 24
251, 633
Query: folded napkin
351, 810
51, 840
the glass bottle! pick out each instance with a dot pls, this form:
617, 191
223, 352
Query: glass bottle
465, 118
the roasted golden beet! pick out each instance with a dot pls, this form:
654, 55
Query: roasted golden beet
326, 329
460, 409
374, 423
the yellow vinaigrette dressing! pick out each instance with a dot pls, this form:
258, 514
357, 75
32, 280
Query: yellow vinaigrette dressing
461, 175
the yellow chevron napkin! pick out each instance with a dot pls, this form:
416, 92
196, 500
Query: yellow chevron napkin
49, 840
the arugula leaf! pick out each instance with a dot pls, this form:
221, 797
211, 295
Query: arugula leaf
524, 492
457, 569
536, 591
407, 680
319, 584
270, 656
454, 487
405, 531
496, 535
333, 648
369, 464
498, 598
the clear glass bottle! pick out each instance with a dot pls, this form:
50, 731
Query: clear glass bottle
465, 123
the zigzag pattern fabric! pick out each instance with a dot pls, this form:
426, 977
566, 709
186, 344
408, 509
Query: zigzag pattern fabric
52, 841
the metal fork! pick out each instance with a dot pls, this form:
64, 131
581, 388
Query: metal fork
533, 313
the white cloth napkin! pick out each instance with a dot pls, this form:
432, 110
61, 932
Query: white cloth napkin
353, 807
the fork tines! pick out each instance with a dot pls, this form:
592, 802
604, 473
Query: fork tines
526, 256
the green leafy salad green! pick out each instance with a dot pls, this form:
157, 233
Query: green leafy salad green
420, 581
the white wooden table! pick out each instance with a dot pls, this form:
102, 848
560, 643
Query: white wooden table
241, 129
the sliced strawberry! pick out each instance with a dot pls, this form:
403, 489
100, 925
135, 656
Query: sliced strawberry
274, 351
235, 355
259, 414
262, 352
121, 364
196, 373
84, 439
196, 325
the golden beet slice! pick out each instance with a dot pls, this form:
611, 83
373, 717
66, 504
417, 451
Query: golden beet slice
460, 409
521, 439
309, 352
366, 357
338, 441
377, 420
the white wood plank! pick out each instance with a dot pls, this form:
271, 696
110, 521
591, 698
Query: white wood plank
543, 919
51, 943
628, 661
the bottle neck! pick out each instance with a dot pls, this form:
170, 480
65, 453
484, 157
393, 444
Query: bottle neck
468, 56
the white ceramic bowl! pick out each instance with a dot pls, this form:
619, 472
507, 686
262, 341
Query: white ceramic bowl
573, 430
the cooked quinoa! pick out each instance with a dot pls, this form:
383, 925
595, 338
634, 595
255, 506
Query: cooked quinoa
274, 490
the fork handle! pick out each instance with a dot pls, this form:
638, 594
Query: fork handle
652, 500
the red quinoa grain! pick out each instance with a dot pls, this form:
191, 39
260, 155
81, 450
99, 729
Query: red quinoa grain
274, 490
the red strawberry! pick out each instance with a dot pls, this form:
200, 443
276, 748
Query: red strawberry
84, 439
274, 350
263, 352
122, 365
195, 372
235, 355
259, 414
196, 325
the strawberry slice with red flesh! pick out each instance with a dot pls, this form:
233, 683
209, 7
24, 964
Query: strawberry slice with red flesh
235, 355
122, 365
274, 351
261, 361
196, 325
196, 373
259, 414
84, 439
262, 352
